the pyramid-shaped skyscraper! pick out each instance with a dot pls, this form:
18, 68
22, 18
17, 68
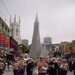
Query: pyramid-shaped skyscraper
36, 46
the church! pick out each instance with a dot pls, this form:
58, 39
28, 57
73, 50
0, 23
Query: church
15, 29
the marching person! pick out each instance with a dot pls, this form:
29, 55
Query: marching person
64, 67
1, 66
70, 64
15, 67
42, 66
74, 66
52, 67
21, 67
30, 66
59, 63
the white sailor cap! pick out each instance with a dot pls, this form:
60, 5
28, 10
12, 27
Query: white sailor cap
64, 60
0, 58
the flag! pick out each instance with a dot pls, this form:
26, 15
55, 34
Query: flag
62, 51
21, 52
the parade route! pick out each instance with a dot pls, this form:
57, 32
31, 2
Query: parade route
11, 73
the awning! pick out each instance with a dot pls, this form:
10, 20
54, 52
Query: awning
10, 49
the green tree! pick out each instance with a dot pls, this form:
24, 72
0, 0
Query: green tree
57, 53
53, 47
24, 48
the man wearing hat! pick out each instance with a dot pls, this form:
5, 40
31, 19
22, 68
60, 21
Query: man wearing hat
30, 66
59, 63
53, 67
42, 66
64, 67
15, 67
1, 66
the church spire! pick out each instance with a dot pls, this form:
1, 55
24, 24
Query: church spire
10, 19
14, 17
36, 18
19, 19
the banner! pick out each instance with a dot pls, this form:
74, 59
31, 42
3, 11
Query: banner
2, 39
2, 35
7, 43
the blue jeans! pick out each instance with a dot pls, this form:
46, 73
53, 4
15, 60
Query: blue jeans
21, 72
64, 72
16, 72
42, 73
1, 71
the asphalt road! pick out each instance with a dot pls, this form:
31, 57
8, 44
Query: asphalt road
11, 73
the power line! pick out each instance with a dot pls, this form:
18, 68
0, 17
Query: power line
5, 7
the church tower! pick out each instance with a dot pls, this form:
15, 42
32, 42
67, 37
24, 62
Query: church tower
15, 29
36, 46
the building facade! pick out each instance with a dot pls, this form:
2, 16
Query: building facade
15, 29
4, 36
25, 42
48, 40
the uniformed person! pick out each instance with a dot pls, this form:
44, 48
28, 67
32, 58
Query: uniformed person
64, 66
74, 66
70, 64
21, 67
1, 66
42, 66
30, 66
59, 62
53, 67
15, 67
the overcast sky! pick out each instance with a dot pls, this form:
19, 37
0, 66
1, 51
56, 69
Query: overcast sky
56, 18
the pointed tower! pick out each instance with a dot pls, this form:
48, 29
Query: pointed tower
14, 17
19, 19
36, 46
15, 30
10, 19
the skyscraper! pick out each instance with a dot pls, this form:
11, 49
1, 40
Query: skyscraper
25, 42
36, 46
48, 40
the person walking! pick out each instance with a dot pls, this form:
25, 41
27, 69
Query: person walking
42, 66
74, 66
30, 66
64, 67
70, 64
1, 66
52, 67
21, 68
15, 67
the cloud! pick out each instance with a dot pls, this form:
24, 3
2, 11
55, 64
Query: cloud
56, 17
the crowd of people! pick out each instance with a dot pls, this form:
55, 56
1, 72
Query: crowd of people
42, 66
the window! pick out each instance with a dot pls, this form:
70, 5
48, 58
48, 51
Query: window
2, 27
12, 31
17, 32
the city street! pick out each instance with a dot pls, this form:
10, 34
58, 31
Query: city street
11, 73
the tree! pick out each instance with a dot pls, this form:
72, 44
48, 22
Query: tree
57, 53
24, 48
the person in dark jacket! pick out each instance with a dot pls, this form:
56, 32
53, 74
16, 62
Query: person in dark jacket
74, 66
59, 61
70, 64
52, 67
30, 66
